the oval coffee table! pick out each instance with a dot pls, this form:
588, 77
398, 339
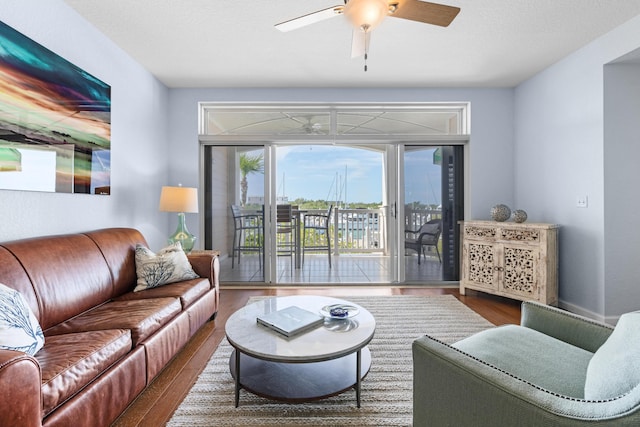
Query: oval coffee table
316, 364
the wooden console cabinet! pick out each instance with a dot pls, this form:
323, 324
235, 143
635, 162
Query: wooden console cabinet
513, 260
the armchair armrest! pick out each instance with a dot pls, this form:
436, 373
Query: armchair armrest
565, 326
20, 390
453, 388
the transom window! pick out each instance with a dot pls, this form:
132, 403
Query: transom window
333, 120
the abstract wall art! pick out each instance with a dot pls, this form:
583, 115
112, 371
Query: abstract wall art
55, 121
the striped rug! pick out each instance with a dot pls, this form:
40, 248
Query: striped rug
386, 391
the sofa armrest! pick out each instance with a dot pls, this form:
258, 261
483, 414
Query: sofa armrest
565, 326
452, 388
20, 390
206, 265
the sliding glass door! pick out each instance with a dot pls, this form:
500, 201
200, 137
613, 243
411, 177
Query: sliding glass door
234, 183
433, 205
332, 194
345, 183
387, 221
247, 188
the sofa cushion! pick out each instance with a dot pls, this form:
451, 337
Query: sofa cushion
142, 317
68, 274
531, 356
188, 291
169, 265
118, 245
19, 328
614, 368
69, 362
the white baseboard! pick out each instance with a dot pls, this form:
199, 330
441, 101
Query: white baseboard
609, 320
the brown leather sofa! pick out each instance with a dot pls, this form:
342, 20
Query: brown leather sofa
104, 344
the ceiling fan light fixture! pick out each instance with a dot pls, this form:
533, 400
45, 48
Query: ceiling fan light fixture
366, 14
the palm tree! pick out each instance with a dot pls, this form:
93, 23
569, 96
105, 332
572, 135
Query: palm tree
249, 164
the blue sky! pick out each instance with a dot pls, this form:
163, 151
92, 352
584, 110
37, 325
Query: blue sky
317, 172
422, 177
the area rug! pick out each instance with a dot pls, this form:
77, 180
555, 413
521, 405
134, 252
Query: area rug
386, 391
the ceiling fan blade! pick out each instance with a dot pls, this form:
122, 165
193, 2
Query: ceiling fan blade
429, 13
359, 42
311, 18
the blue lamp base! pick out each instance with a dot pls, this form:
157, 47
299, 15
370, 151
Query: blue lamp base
182, 235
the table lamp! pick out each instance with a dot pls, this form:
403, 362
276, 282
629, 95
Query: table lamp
180, 199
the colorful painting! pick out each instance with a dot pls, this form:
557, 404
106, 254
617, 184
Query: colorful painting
55, 121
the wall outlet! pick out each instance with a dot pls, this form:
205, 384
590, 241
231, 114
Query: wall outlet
582, 201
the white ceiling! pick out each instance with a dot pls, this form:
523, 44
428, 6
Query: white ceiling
214, 43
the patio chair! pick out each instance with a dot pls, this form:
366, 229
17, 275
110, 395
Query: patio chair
428, 235
316, 233
285, 231
247, 234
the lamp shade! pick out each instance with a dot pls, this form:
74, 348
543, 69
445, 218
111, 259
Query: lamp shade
366, 14
179, 199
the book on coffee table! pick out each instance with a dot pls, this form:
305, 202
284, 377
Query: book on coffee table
291, 320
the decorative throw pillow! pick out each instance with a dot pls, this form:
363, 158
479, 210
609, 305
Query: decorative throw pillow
19, 328
614, 368
169, 265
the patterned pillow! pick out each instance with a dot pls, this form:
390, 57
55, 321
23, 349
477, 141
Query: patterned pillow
19, 328
169, 265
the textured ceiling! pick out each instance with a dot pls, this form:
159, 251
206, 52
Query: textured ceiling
213, 43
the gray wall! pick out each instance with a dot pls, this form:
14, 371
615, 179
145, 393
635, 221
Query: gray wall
621, 177
559, 152
138, 134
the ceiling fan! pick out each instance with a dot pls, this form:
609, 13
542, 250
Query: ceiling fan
307, 124
365, 15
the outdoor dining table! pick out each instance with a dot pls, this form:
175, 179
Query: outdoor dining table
298, 215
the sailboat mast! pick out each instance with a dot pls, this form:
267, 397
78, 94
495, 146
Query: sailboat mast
346, 205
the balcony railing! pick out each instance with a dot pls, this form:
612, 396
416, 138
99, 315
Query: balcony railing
364, 230
359, 230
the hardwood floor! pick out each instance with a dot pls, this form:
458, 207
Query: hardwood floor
156, 405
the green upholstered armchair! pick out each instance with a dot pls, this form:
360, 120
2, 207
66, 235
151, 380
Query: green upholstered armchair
555, 369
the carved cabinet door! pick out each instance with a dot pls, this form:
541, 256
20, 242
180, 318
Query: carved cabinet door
480, 264
519, 269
